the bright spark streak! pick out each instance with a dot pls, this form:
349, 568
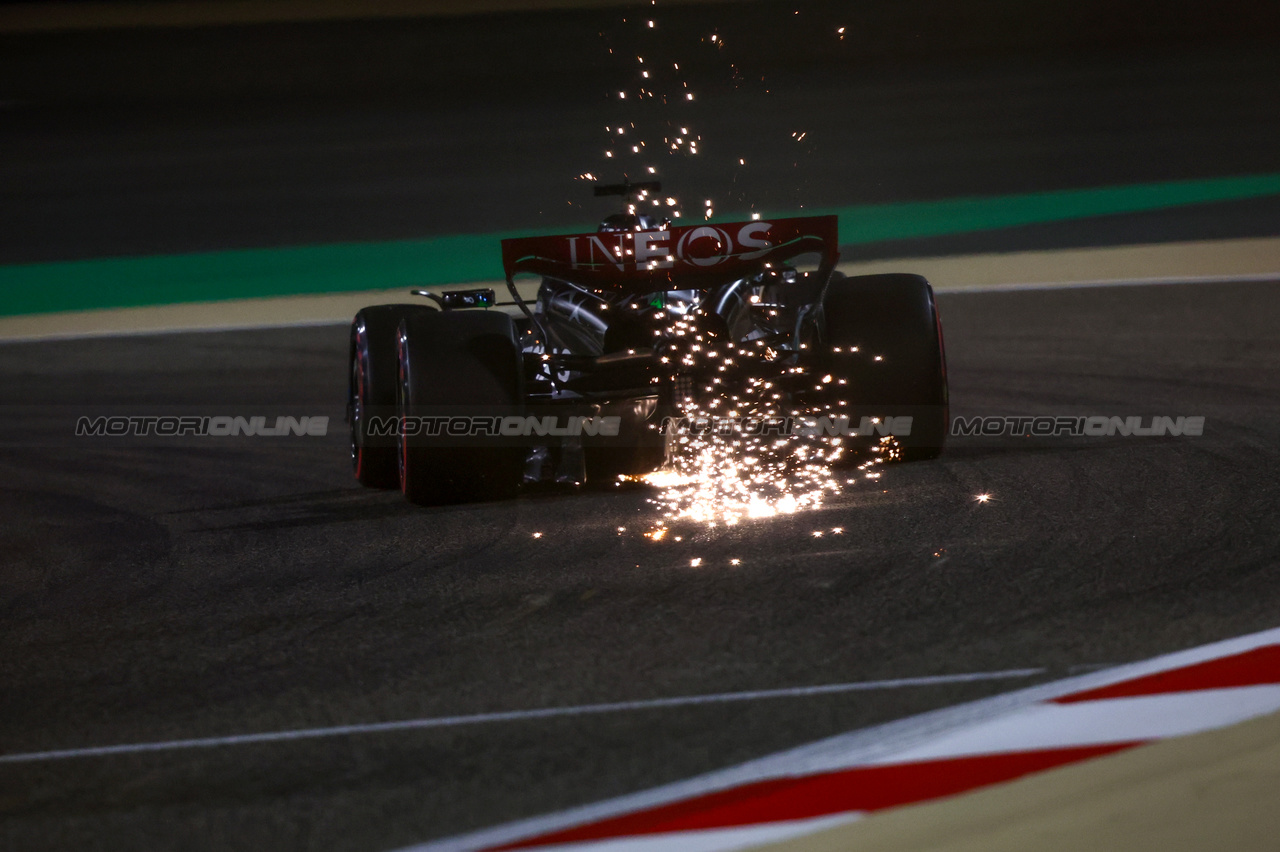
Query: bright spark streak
723, 476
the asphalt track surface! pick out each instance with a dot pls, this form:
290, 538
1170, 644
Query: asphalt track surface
154, 594
157, 592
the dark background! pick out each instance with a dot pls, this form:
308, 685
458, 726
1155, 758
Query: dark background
162, 140
152, 593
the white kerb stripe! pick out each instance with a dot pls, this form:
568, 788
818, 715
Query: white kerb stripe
709, 839
1110, 720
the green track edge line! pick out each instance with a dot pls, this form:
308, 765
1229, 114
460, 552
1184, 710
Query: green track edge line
79, 285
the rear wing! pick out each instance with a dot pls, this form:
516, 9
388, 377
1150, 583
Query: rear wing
675, 258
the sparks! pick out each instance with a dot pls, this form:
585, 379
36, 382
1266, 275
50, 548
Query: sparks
721, 477
983, 498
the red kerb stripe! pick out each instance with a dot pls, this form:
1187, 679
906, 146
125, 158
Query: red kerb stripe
1252, 668
866, 788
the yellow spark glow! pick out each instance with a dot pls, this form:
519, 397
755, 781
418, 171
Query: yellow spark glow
537, 535
666, 478
728, 474
735, 561
695, 562
983, 498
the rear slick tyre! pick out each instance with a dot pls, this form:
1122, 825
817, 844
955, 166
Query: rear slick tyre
457, 365
883, 337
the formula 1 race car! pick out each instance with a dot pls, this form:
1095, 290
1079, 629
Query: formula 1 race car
467, 398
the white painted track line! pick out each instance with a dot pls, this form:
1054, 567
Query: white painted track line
191, 319
514, 716
1204, 262
1122, 282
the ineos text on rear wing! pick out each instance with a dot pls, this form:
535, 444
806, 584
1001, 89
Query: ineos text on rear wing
683, 257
